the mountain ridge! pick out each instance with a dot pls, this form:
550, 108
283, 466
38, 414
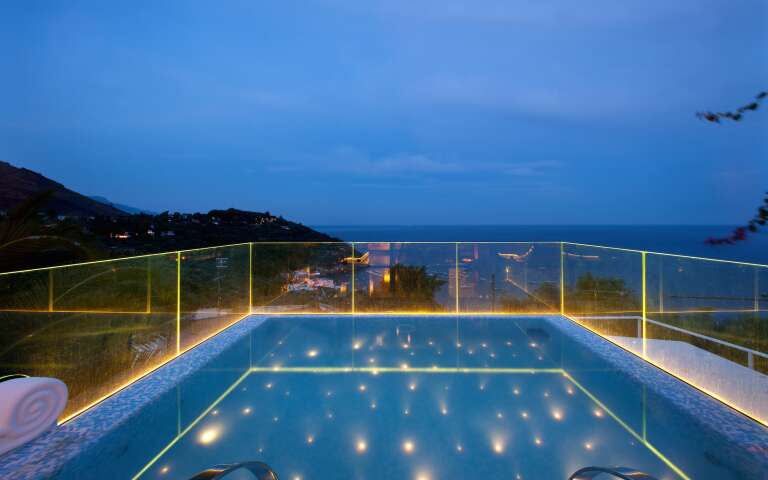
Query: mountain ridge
68, 227
17, 184
120, 206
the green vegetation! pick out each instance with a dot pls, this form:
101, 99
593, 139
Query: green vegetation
33, 237
749, 330
589, 294
593, 294
405, 288
545, 297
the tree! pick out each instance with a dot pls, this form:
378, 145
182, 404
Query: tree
407, 287
761, 217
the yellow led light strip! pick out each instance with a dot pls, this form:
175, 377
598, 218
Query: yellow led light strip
142, 375
406, 314
668, 312
352, 281
719, 310
456, 279
191, 425
644, 305
117, 312
682, 379
299, 313
562, 280
309, 244
122, 259
178, 302
639, 438
392, 242
250, 277
662, 254
377, 370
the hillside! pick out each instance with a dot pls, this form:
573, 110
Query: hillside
18, 184
135, 234
73, 228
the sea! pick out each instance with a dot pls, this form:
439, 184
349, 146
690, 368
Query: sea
679, 239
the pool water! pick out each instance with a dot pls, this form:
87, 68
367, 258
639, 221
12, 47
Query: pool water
409, 425
424, 398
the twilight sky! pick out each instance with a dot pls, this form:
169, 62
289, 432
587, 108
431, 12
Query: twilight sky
394, 111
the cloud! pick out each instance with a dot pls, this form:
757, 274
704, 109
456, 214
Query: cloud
566, 101
354, 162
540, 13
406, 163
228, 92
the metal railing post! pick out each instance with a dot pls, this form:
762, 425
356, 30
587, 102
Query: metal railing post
178, 303
353, 278
562, 279
457, 277
250, 278
645, 303
757, 290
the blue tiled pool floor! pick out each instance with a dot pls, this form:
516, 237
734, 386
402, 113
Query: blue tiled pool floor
403, 424
413, 397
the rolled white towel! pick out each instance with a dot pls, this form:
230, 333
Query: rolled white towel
29, 407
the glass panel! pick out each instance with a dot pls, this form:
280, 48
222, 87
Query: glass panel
302, 277
215, 293
133, 285
705, 325
405, 277
108, 323
509, 277
761, 288
603, 291
682, 285
26, 291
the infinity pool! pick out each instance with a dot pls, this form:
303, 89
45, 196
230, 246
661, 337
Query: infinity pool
422, 398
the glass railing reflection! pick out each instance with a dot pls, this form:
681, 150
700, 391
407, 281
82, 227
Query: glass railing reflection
214, 291
705, 324
603, 289
509, 277
302, 277
701, 320
100, 325
405, 277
